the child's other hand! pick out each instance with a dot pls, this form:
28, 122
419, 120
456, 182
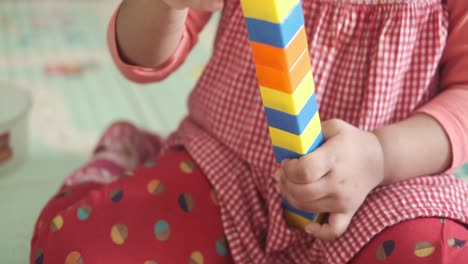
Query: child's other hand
335, 178
206, 5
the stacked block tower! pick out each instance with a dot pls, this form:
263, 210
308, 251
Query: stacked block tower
280, 52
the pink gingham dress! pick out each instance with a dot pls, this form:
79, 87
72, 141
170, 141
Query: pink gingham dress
374, 63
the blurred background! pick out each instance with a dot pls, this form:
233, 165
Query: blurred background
56, 51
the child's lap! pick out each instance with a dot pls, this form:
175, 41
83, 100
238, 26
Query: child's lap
165, 211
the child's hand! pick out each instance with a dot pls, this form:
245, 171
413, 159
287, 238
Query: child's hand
207, 5
336, 178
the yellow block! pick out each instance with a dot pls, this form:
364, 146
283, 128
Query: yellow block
297, 143
298, 221
274, 11
295, 220
289, 103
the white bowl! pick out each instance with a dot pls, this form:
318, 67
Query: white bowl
15, 105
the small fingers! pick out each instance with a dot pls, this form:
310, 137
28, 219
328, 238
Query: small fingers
333, 229
304, 193
311, 167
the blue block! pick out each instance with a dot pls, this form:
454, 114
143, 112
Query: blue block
281, 153
310, 216
278, 35
294, 124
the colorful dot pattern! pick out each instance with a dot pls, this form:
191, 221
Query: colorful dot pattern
119, 233
187, 166
169, 206
456, 243
57, 223
84, 212
39, 258
221, 246
162, 231
385, 250
165, 203
424, 249
74, 258
116, 195
422, 240
155, 187
196, 258
186, 202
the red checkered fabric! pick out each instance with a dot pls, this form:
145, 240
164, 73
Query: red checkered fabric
374, 63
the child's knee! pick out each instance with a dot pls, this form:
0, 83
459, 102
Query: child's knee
423, 240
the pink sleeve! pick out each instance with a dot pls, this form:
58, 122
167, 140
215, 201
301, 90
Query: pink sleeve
195, 22
450, 107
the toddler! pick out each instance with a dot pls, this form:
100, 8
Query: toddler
392, 86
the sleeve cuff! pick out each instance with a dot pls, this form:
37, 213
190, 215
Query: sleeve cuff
447, 109
149, 74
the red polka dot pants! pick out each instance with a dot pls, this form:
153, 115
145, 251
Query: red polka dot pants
163, 212
418, 241
166, 212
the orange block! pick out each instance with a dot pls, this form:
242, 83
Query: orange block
284, 81
278, 58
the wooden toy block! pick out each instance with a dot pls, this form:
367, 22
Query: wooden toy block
274, 11
294, 124
283, 80
278, 35
280, 58
281, 153
297, 143
289, 103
